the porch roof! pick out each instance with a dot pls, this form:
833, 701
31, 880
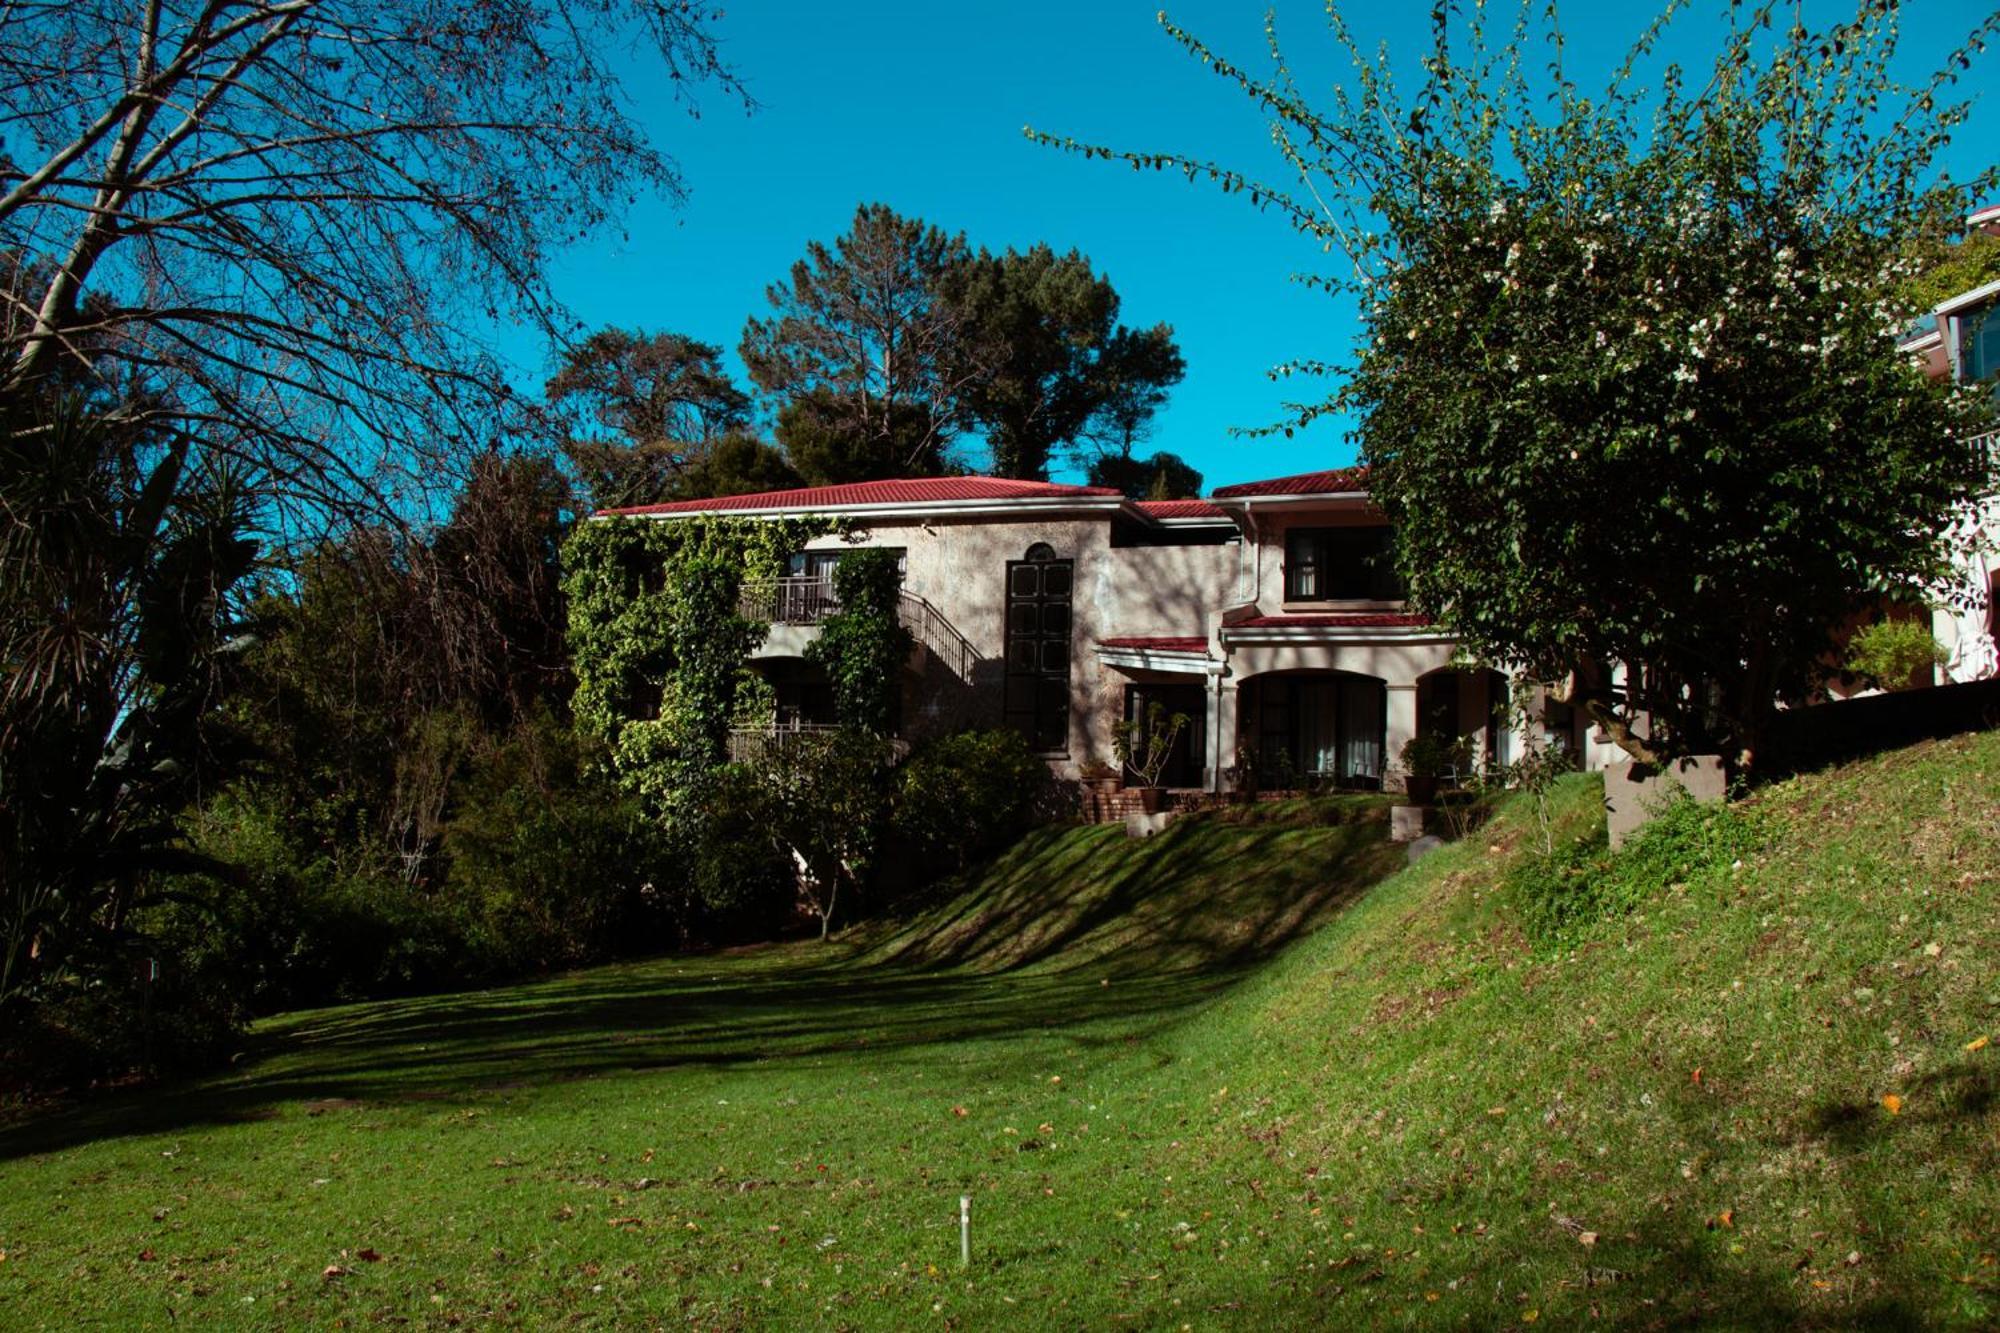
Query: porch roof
1337, 620
1197, 643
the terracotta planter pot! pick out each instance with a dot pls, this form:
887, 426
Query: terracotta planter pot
1151, 799
1422, 789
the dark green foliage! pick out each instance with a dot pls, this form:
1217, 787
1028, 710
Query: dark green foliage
1163, 476
1689, 847
650, 417
744, 880
887, 345
821, 799
861, 333
864, 647
122, 561
1056, 361
736, 464
962, 798
822, 440
553, 864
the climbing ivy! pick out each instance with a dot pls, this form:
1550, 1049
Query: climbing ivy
864, 646
658, 640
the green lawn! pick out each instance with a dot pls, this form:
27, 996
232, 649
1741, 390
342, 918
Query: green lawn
1166, 1115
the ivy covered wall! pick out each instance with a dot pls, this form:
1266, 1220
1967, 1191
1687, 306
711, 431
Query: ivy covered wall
659, 646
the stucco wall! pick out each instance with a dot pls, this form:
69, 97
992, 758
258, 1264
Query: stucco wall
960, 568
1269, 573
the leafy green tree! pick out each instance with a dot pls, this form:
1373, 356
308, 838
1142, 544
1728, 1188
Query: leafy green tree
1056, 356
1136, 372
390, 659
822, 801
736, 464
864, 646
1628, 388
821, 439
639, 413
861, 333
1163, 476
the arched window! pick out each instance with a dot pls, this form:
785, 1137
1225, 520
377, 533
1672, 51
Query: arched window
1038, 648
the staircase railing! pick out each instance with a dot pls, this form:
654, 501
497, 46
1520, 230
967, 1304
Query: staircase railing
808, 601
939, 636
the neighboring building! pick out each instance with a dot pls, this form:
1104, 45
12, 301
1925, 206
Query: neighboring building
1269, 615
1960, 339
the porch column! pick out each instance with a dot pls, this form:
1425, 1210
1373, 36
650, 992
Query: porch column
1523, 730
1221, 732
1401, 727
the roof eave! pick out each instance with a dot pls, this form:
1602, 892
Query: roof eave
1041, 505
1235, 634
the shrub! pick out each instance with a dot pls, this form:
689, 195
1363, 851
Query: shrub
551, 863
1890, 653
963, 797
1563, 895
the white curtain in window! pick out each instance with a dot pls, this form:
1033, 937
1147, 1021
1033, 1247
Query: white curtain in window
1362, 705
1319, 726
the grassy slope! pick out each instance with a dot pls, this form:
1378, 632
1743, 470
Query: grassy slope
1411, 1116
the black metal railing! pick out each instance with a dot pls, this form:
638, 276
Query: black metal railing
810, 601
939, 637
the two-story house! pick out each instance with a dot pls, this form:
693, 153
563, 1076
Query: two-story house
1960, 340
1269, 615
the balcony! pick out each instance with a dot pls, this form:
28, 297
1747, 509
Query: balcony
1988, 445
788, 601
750, 745
804, 603
755, 745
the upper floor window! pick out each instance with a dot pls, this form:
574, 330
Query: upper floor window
1980, 350
1352, 564
819, 564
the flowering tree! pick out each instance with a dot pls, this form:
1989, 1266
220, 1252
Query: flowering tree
1628, 385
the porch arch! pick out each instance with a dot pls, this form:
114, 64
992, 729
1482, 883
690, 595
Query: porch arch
1466, 703
1312, 726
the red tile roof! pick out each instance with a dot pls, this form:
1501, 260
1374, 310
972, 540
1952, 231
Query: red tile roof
1336, 620
917, 490
1191, 644
1304, 483
1181, 509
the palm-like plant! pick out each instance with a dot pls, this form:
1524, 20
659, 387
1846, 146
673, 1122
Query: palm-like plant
121, 570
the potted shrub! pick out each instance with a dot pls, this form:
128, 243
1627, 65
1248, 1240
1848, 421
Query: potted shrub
1426, 758
1099, 780
1144, 745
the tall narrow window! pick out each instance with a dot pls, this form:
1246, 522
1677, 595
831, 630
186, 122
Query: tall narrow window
1038, 634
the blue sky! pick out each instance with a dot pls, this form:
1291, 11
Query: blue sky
921, 106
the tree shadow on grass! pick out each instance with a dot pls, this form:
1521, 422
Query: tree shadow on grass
1654, 1271
1209, 893
687, 1013
1091, 935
